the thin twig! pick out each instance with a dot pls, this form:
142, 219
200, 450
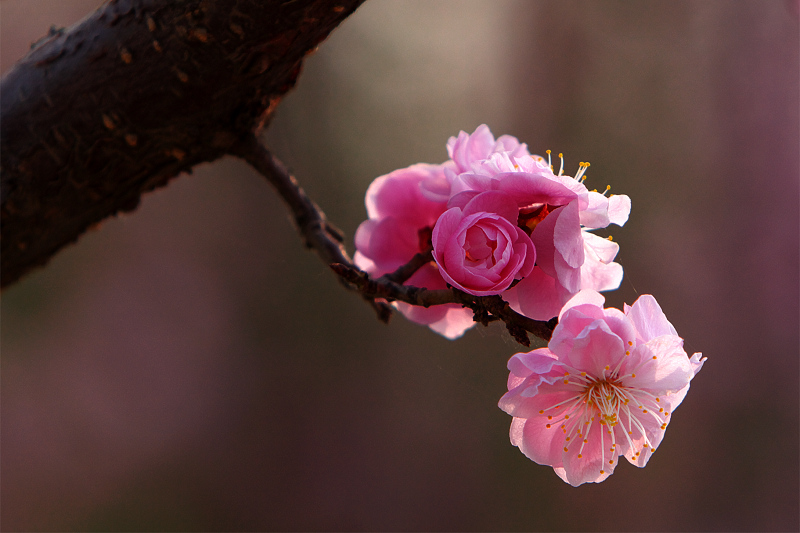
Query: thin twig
486, 308
404, 272
318, 234
321, 236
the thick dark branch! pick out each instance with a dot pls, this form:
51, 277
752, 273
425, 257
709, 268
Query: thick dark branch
145, 89
135, 94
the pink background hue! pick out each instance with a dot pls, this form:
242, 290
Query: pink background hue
191, 367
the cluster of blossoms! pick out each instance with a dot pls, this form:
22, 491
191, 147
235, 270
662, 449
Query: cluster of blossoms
499, 221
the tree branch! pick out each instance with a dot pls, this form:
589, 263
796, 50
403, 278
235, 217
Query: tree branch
327, 241
135, 94
318, 234
142, 90
486, 309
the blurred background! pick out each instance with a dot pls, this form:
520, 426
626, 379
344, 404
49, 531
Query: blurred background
190, 366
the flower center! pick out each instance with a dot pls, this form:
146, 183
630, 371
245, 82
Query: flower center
529, 217
606, 397
479, 248
605, 400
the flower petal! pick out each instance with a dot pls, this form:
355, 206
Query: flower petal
664, 365
399, 194
649, 319
540, 445
596, 457
598, 272
567, 235
494, 202
537, 296
595, 348
529, 188
596, 213
619, 208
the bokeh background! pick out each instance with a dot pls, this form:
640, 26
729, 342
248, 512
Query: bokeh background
190, 366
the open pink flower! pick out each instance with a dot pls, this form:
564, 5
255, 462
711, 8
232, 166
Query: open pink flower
402, 213
606, 386
479, 248
556, 210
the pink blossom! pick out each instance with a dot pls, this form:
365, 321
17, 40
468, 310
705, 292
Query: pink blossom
606, 386
555, 209
479, 247
402, 214
401, 218
469, 149
543, 217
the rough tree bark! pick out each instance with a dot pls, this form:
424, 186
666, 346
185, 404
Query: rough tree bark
135, 94
143, 90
